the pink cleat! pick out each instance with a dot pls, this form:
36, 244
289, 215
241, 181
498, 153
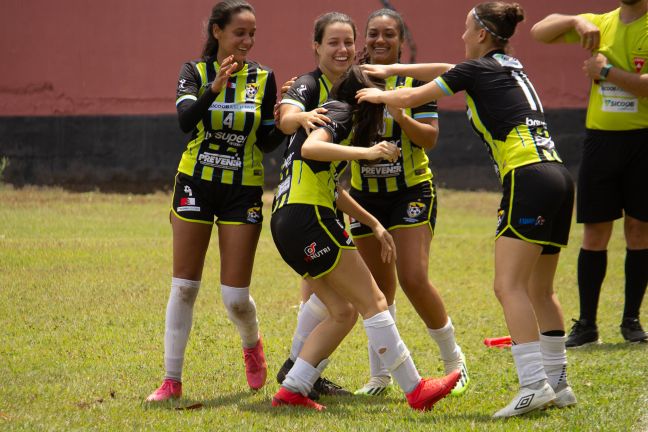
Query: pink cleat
169, 389
286, 397
256, 368
431, 390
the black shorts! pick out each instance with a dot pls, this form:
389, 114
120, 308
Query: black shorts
202, 201
537, 205
410, 207
613, 176
309, 238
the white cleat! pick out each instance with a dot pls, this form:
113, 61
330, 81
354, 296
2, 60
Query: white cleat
527, 400
564, 398
464, 380
376, 386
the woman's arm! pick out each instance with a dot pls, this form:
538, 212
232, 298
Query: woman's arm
318, 146
350, 206
423, 132
637, 84
402, 97
291, 118
421, 71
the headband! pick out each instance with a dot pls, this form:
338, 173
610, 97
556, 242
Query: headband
485, 27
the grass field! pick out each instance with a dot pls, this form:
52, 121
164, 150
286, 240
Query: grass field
84, 280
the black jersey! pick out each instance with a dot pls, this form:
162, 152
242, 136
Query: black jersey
309, 91
305, 181
504, 110
228, 129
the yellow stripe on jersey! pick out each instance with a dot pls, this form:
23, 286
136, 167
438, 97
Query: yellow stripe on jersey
521, 147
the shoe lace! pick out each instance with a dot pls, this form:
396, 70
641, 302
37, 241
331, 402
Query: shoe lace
632, 325
578, 327
251, 358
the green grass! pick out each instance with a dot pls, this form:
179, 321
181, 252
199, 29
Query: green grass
84, 280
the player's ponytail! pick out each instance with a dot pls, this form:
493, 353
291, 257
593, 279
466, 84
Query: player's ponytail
221, 15
499, 19
368, 117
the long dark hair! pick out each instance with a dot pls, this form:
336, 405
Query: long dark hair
327, 19
221, 15
368, 117
400, 25
499, 19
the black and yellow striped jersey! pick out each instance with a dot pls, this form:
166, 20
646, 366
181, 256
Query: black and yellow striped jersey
229, 129
305, 181
308, 92
411, 168
504, 109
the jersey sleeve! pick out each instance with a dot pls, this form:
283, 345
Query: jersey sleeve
459, 78
572, 36
269, 137
341, 124
302, 93
189, 105
428, 110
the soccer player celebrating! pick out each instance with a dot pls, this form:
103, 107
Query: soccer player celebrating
226, 102
402, 196
536, 207
614, 169
334, 37
313, 242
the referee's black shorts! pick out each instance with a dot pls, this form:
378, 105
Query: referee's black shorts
613, 176
537, 205
309, 238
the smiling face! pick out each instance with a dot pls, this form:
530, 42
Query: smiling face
336, 53
473, 37
383, 40
237, 38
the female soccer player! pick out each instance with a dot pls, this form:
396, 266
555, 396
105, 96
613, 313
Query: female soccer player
334, 37
401, 195
313, 242
536, 207
226, 102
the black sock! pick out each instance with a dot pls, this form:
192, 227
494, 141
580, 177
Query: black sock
554, 333
636, 274
591, 272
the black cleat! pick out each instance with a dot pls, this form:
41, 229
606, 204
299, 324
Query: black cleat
329, 388
632, 331
321, 387
582, 333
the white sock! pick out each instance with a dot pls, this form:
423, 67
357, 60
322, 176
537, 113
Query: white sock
445, 338
528, 362
241, 310
302, 376
179, 316
310, 315
385, 340
554, 359
376, 368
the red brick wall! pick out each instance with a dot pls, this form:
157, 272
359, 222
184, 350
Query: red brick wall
122, 57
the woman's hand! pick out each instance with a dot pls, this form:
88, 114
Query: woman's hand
383, 150
227, 68
590, 34
370, 94
286, 86
387, 246
396, 113
310, 120
378, 71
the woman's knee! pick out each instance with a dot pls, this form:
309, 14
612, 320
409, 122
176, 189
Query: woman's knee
344, 313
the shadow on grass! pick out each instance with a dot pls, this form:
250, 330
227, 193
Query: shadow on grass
616, 346
196, 404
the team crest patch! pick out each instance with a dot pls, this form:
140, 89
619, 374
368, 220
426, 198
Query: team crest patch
415, 209
254, 214
251, 91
